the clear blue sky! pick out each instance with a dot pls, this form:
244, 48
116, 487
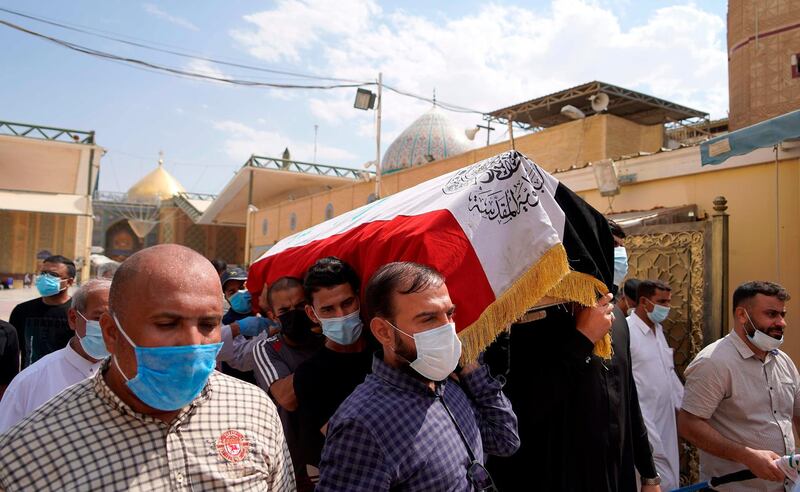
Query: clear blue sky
477, 54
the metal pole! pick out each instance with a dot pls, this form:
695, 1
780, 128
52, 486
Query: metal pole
378, 140
248, 232
511, 132
316, 128
89, 216
777, 216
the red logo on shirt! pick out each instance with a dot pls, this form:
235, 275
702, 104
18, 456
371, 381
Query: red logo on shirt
232, 446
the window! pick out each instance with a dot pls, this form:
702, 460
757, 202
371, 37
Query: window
795, 68
264, 227
292, 221
329, 211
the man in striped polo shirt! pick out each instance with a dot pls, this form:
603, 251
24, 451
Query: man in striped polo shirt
277, 357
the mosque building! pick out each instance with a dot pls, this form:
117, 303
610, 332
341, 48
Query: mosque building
433, 136
157, 209
720, 225
654, 145
640, 159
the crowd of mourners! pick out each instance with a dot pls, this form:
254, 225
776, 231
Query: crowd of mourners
166, 374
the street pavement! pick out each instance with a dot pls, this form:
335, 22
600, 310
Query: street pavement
11, 297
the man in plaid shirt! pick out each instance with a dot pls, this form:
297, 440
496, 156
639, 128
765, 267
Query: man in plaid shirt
156, 416
409, 426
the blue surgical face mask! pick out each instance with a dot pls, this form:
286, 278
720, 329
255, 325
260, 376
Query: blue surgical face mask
241, 302
620, 264
659, 313
48, 285
345, 330
170, 378
93, 343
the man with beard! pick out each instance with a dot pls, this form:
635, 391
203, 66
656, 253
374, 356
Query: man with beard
409, 426
277, 358
742, 394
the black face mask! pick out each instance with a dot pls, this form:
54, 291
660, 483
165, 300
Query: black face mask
296, 325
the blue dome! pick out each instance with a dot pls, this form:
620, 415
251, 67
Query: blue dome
431, 137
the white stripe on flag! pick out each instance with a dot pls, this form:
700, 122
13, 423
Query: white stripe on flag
505, 206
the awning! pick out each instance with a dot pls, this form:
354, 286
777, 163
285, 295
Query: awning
745, 140
274, 181
49, 203
544, 112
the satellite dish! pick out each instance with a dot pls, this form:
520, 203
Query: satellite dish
471, 132
599, 102
573, 112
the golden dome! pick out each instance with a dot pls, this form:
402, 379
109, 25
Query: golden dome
157, 184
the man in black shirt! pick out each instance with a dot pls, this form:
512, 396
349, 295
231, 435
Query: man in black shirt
580, 424
325, 380
9, 355
278, 357
41, 323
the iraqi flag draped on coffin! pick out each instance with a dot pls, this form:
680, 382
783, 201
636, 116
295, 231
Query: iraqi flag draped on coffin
503, 232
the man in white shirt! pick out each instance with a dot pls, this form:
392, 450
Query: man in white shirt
660, 390
58, 370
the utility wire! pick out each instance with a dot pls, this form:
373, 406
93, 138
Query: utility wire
173, 70
182, 54
438, 102
151, 66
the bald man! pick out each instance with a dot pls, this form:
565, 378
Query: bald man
156, 416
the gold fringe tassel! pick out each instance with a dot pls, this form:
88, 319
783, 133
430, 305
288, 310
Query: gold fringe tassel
550, 276
573, 288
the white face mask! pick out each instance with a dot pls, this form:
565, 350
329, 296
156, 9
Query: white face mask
761, 339
438, 351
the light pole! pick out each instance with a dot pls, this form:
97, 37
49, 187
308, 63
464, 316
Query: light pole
365, 100
378, 140
316, 129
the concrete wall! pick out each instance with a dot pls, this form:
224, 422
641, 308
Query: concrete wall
24, 162
41, 183
577, 142
755, 215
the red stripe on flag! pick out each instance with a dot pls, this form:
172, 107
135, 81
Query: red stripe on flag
434, 238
